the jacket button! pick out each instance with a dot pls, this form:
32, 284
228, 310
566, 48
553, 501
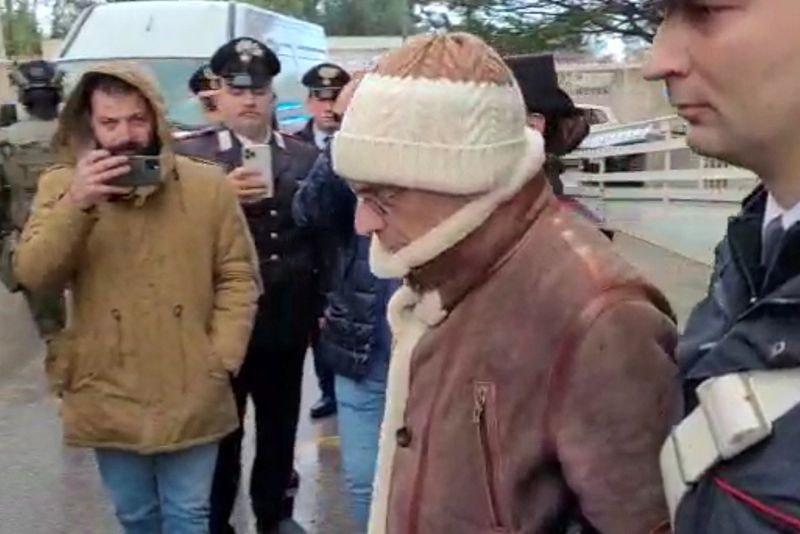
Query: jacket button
274, 257
115, 313
178, 310
273, 235
403, 437
273, 213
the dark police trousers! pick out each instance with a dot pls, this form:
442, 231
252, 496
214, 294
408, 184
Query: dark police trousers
272, 376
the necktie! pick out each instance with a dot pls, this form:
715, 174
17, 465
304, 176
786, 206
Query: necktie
773, 235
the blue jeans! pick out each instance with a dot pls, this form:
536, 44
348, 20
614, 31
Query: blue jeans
160, 493
360, 407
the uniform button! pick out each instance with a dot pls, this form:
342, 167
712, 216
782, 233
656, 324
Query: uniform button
177, 310
273, 213
274, 257
778, 349
273, 235
403, 437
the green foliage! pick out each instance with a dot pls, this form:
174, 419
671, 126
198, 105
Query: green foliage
535, 25
20, 30
365, 17
65, 12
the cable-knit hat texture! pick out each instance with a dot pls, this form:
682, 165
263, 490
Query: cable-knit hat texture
442, 113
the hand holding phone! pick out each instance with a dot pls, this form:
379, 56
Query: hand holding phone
258, 159
94, 175
145, 171
248, 184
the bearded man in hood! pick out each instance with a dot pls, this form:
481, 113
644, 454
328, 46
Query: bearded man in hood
163, 285
532, 366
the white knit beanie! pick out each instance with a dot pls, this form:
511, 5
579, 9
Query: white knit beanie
442, 114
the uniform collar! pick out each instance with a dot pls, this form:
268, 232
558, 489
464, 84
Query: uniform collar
774, 210
320, 137
274, 137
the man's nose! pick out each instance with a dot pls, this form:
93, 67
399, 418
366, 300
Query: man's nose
249, 98
126, 133
367, 220
669, 56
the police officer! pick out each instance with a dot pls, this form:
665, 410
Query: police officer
204, 85
24, 153
324, 82
272, 372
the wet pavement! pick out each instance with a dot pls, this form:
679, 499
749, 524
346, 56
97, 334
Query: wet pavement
46, 488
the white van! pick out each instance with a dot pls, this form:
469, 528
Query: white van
172, 38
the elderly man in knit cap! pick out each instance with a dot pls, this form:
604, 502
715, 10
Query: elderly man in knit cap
532, 366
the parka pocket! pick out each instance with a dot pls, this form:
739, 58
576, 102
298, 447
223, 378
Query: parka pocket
196, 343
60, 362
484, 418
213, 362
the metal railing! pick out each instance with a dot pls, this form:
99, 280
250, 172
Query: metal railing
653, 145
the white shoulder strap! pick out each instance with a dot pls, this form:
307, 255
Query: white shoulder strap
736, 411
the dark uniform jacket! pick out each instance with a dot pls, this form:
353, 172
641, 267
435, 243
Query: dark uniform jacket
307, 133
328, 276
286, 253
355, 341
750, 320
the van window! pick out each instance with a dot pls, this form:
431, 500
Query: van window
173, 78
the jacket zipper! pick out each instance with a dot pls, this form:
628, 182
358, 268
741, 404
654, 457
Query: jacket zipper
479, 418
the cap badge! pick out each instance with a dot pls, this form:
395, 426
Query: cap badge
247, 50
328, 74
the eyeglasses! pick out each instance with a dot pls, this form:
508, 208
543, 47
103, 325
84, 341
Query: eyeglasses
379, 199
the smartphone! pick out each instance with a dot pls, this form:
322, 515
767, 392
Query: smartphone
259, 158
145, 171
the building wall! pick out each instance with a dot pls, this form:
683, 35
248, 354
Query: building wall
618, 86
357, 53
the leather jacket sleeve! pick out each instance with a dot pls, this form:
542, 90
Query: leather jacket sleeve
615, 418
